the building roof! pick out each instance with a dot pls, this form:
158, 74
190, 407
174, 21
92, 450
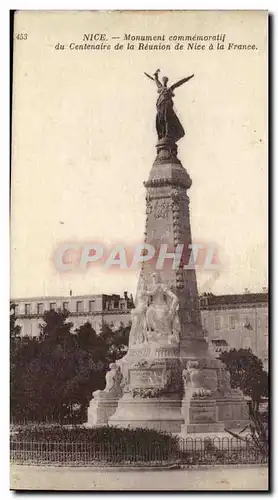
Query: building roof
58, 297
210, 300
49, 298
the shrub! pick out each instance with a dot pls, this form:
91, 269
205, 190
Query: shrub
97, 434
94, 445
257, 438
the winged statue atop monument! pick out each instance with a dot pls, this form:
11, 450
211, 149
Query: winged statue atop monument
167, 122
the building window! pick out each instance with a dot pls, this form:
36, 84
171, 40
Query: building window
122, 305
79, 306
203, 301
219, 344
109, 306
91, 305
65, 306
52, 306
27, 308
232, 322
217, 322
15, 309
247, 323
247, 343
40, 308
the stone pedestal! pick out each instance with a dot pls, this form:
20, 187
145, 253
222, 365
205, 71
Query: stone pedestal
153, 388
161, 414
105, 403
200, 415
233, 411
100, 410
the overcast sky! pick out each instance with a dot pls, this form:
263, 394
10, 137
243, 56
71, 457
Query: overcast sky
84, 141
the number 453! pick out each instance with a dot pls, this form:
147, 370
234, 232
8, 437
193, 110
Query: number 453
21, 36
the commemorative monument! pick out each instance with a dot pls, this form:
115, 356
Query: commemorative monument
169, 379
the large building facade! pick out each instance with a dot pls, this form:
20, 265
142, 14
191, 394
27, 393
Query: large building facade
229, 321
237, 321
113, 310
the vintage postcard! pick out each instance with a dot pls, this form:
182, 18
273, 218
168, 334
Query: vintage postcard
139, 287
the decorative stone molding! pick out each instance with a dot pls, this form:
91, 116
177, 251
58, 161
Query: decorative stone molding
161, 209
157, 352
148, 206
147, 393
166, 152
155, 183
153, 378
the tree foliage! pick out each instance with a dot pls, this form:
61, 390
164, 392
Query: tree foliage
14, 329
57, 372
116, 341
247, 374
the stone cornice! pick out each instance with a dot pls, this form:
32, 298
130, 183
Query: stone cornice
155, 183
76, 314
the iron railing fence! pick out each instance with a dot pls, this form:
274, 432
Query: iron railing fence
188, 451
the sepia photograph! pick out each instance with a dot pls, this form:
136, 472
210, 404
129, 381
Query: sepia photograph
139, 353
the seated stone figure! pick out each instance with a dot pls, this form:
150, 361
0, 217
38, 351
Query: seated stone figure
113, 387
161, 315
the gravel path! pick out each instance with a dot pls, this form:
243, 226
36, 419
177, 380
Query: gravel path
211, 478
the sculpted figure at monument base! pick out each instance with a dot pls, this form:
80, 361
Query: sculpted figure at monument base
104, 403
209, 404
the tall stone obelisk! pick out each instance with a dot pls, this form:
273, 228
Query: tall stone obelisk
171, 380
